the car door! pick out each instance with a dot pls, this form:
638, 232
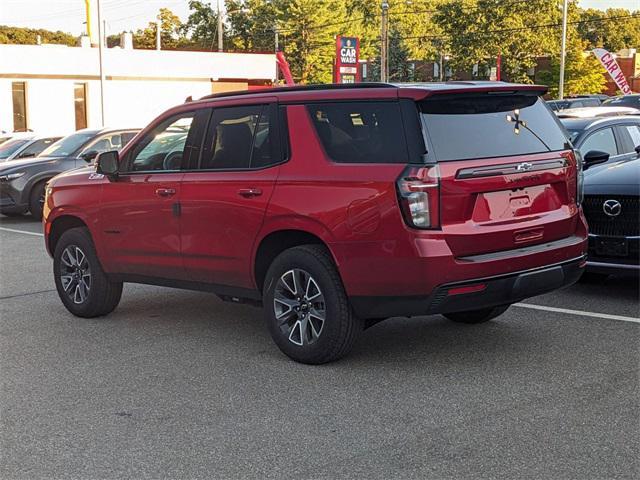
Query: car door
140, 210
603, 140
225, 194
629, 136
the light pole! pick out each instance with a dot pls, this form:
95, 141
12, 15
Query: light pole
563, 52
384, 37
220, 26
100, 61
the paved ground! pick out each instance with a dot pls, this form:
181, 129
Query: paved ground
177, 384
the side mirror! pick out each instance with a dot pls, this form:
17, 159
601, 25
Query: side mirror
27, 155
107, 163
90, 155
637, 149
594, 157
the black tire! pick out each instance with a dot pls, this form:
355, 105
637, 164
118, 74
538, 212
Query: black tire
336, 334
477, 316
593, 277
36, 200
102, 295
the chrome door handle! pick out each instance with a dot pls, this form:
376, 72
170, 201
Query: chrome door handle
249, 192
165, 192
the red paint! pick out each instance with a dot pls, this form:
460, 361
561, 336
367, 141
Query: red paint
352, 208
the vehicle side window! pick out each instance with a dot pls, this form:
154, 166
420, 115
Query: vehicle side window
104, 143
36, 147
634, 133
361, 132
162, 149
602, 140
127, 136
240, 138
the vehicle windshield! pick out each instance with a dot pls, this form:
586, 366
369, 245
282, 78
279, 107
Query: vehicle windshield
483, 126
67, 145
9, 148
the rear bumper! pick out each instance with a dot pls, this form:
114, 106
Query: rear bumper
496, 290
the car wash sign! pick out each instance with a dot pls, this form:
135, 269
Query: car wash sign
609, 63
347, 57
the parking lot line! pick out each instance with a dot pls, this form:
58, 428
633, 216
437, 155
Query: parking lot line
21, 231
578, 312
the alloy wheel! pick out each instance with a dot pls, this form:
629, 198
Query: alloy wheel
75, 274
299, 307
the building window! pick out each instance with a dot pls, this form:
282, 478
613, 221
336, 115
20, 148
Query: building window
19, 93
80, 104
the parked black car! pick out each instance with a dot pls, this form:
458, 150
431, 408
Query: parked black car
624, 101
612, 196
612, 192
617, 136
22, 182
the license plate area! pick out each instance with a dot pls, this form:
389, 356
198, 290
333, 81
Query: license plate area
612, 247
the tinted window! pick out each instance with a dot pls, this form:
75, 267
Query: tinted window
36, 147
361, 132
239, 138
634, 133
602, 140
463, 127
163, 147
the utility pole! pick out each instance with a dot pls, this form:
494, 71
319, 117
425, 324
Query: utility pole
563, 53
384, 48
100, 61
220, 26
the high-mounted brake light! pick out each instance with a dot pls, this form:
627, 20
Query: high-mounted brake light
419, 195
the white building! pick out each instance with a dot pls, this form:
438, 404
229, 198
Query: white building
56, 89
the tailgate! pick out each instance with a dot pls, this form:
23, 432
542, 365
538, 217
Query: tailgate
508, 202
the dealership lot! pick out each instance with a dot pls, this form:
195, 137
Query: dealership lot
179, 384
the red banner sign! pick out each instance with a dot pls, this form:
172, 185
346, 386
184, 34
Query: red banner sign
609, 63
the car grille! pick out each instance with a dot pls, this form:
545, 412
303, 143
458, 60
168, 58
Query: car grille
626, 224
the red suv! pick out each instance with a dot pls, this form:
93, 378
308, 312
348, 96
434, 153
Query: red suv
333, 207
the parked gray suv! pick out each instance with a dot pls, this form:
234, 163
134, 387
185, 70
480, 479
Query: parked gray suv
22, 182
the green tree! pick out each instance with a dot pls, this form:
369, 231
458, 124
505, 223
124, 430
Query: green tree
583, 72
478, 30
29, 36
171, 32
612, 35
202, 25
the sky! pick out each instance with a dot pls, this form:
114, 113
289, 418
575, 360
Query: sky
69, 15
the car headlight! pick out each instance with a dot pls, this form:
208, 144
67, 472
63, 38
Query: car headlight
11, 176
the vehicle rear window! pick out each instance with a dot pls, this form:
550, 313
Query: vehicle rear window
482, 126
361, 132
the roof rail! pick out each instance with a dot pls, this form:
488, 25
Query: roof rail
302, 88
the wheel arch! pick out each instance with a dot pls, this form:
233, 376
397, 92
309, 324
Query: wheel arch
60, 225
276, 242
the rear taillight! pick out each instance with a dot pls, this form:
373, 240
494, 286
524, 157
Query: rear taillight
419, 194
579, 177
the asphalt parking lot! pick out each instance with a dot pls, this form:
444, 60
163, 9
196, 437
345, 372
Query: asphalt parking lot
178, 384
